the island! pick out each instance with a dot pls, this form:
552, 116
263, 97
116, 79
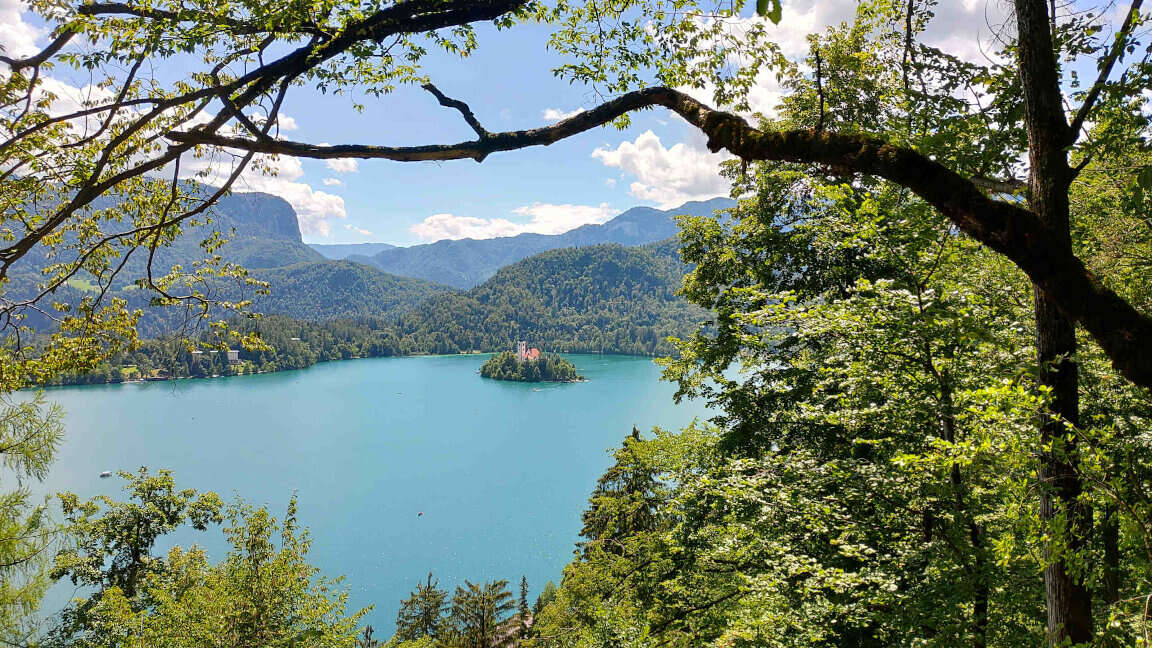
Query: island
529, 365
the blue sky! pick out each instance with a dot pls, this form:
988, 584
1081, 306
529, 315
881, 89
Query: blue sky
658, 161
509, 85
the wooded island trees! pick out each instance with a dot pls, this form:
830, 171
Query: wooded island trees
544, 368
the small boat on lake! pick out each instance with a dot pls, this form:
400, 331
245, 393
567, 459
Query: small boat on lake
106, 474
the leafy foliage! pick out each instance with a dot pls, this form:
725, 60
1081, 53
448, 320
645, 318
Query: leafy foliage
30, 432
263, 593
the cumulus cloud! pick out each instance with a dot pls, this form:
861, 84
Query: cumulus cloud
544, 218
446, 226
359, 230
668, 176
965, 28
333, 182
557, 219
555, 114
343, 165
284, 122
17, 36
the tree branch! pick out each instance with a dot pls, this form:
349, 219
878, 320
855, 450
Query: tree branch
1114, 55
55, 46
460, 106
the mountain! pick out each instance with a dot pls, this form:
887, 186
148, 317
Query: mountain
465, 263
262, 232
267, 233
345, 250
264, 237
595, 298
323, 290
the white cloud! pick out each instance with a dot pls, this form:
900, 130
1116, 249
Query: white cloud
285, 122
609, 182
668, 176
555, 114
17, 37
545, 218
965, 28
446, 226
343, 165
333, 182
361, 231
557, 219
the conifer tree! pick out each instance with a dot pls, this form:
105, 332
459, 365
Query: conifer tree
422, 613
480, 614
523, 609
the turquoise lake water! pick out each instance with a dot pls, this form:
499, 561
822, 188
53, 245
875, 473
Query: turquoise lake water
501, 471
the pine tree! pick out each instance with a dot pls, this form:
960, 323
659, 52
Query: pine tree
422, 613
479, 614
523, 610
625, 500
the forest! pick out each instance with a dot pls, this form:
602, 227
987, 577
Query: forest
925, 328
593, 299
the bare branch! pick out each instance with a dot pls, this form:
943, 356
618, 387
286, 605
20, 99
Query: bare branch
55, 46
1114, 54
460, 106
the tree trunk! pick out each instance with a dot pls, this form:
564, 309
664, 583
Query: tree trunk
1068, 600
979, 568
1110, 530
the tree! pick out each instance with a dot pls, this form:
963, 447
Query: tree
30, 432
263, 593
422, 613
479, 614
626, 500
655, 47
114, 540
546, 596
522, 610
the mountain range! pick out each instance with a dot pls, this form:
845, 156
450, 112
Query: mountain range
589, 288
465, 263
344, 250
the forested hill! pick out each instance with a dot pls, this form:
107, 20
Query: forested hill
598, 298
264, 236
324, 290
466, 263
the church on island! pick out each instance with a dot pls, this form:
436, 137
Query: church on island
524, 354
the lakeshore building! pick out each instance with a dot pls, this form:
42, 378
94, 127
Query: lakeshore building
233, 356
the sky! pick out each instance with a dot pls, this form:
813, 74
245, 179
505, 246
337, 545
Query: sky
658, 161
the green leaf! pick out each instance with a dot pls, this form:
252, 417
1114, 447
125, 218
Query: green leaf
772, 14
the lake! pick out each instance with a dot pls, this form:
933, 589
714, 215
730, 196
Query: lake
500, 470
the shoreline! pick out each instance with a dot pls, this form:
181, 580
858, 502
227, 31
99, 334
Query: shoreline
325, 362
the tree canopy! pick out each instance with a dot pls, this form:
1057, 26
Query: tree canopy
914, 221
